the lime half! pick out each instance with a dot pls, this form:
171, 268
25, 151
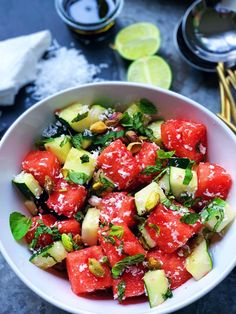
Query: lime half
138, 40
152, 70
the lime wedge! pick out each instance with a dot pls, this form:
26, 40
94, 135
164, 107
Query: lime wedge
138, 40
150, 70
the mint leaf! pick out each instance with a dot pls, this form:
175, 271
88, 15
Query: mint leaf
151, 169
106, 184
108, 137
168, 204
77, 140
116, 231
135, 122
214, 210
109, 239
79, 216
146, 106
64, 141
168, 294
77, 177
161, 174
188, 201
188, 176
190, 218
19, 225
126, 120
43, 229
80, 116
84, 158
165, 155
188, 173
121, 290
118, 268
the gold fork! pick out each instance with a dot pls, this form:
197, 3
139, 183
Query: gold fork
228, 106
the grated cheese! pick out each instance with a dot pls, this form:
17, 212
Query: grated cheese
63, 68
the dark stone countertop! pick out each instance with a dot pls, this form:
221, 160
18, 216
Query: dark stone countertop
18, 17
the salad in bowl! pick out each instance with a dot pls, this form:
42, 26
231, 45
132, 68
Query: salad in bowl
124, 201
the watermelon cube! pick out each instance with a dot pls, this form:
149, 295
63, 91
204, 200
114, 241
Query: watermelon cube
67, 198
213, 182
81, 278
117, 208
118, 164
172, 232
116, 248
173, 265
186, 138
146, 157
132, 282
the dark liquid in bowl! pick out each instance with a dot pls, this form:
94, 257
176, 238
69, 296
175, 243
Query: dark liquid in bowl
89, 11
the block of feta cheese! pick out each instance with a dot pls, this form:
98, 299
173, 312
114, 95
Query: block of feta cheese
18, 66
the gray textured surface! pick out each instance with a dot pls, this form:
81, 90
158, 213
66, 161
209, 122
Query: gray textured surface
19, 17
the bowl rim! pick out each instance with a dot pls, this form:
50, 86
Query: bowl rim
60, 304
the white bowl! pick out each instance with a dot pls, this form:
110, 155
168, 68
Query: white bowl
19, 140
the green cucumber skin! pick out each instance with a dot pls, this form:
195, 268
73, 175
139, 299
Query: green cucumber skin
178, 162
24, 190
28, 186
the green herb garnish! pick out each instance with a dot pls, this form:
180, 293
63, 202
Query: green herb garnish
155, 227
167, 203
116, 231
165, 155
190, 218
105, 139
168, 294
80, 116
43, 229
19, 225
161, 156
188, 173
109, 239
77, 177
121, 290
77, 140
145, 106
214, 210
106, 184
64, 141
79, 216
118, 268
136, 122
84, 158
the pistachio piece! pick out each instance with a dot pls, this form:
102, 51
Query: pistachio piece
142, 138
97, 185
96, 268
184, 251
77, 239
152, 201
98, 127
132, 136
154, 263
48, 185
114, 119
67, 243
32, 208
134, 147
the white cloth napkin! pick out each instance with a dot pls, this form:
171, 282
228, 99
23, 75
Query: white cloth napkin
18, 61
